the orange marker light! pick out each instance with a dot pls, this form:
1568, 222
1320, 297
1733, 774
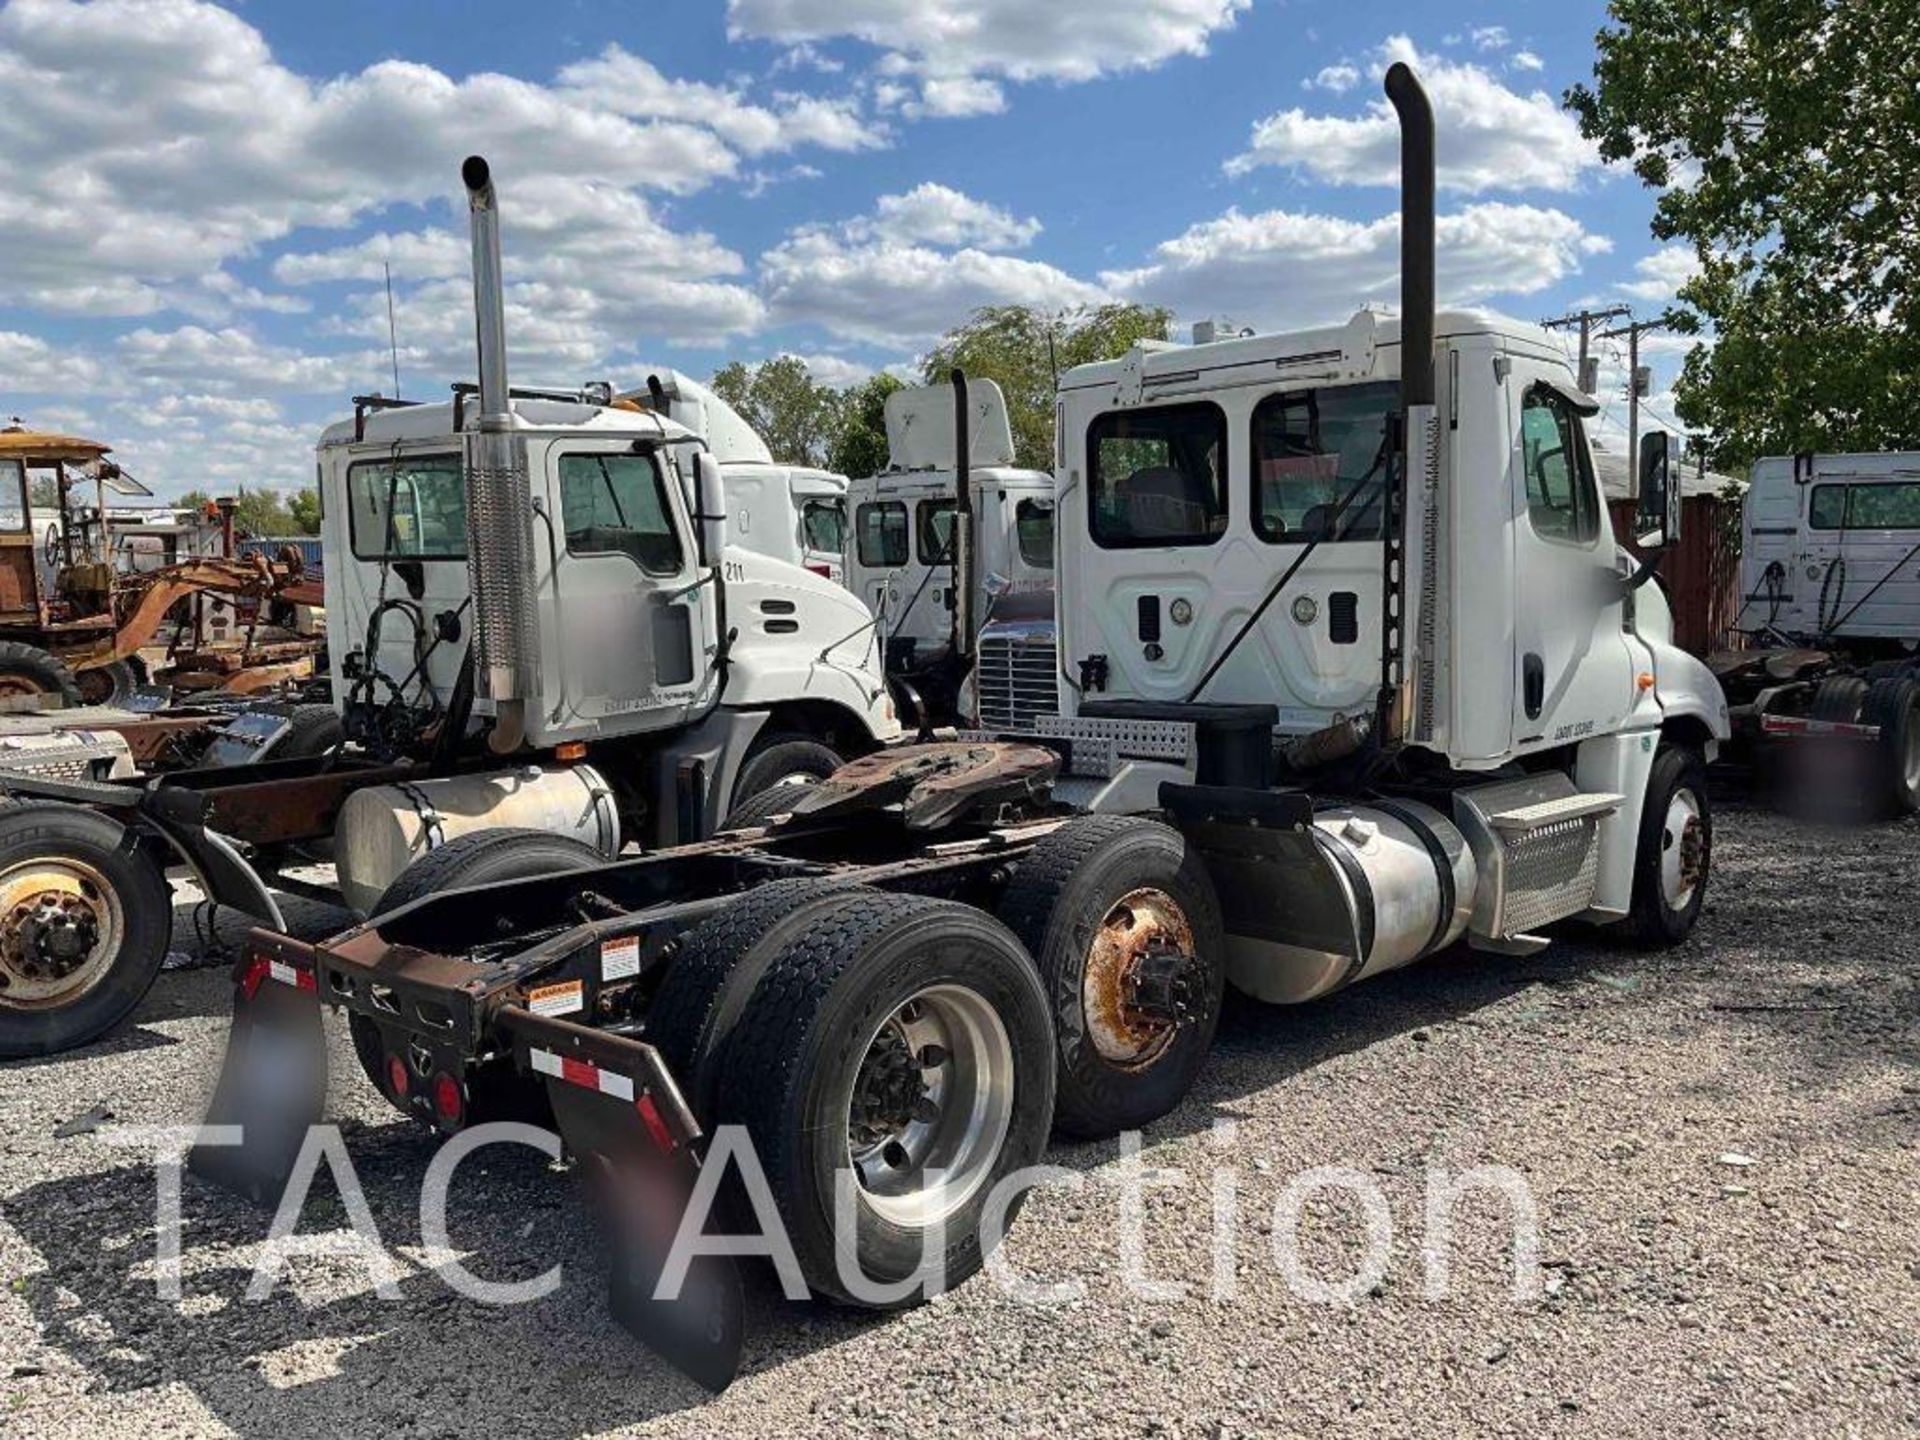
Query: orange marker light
571, 750
1645, 681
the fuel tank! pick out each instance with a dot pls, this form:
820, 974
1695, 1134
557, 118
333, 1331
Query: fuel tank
384, 828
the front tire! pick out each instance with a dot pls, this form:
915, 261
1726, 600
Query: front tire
783, 759
27, 670
1674, 854
1124, 924
897, 1036
85, 920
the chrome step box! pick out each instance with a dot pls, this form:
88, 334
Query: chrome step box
1536, 845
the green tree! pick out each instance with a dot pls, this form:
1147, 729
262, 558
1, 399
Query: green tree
1025, 349
796, 417
1783, 137
860, 447
304, 508
261, 512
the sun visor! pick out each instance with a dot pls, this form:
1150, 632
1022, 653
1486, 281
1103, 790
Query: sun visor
1583, 404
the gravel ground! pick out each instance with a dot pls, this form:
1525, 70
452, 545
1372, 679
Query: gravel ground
1723, 1144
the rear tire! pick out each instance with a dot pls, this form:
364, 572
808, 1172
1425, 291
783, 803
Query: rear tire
699, 1002
1093, 903
69, 875
496, 1091
1894, 705
834, 1053
1674, 855
1839, 698
29, 670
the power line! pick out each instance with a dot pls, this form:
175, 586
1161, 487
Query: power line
1633, 330
1585, 321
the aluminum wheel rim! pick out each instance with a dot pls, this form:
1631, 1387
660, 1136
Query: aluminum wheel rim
1139, 920
798, 777
922, 1168
61, 925
1682, 838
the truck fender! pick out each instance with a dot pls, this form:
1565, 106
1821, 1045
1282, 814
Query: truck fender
695, 774
217, 864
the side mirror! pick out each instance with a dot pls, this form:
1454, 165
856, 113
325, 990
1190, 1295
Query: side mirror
1656, 524
710, 508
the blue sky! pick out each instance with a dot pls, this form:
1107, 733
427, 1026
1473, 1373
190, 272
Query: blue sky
195, 201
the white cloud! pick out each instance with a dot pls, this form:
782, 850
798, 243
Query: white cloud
835, 370
622, 83
33, 367
1338, 78
1526, 60
1489, 137
945, 43
1489, 37
1284, 270
1663, 273
953, 97
895, 277
937, 215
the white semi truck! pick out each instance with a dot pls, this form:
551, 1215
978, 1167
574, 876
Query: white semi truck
949, 534
540, 621
1353, 671
1827, 695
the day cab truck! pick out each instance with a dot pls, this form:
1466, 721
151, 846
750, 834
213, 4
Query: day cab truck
1352, 671
538, 620
1826, 700
951, 535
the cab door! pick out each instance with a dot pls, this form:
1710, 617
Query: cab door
627, 630
19, 573
1575, 660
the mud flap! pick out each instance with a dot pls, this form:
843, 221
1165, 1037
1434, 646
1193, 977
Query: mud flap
273, 1082
624, 1121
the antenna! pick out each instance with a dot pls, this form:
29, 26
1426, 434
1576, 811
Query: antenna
393, 338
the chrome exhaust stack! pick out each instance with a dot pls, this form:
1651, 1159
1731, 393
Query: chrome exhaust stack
499, 507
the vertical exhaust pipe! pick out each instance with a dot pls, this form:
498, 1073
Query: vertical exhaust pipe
1409, 580
499, 505
963, 546
1410, 102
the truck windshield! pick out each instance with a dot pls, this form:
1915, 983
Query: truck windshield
1159, 476
413, 508
823, 525
881, 530
1033, 530
616, 504
1311, 449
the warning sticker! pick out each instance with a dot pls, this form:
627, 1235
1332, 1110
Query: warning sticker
562, 999
620, 958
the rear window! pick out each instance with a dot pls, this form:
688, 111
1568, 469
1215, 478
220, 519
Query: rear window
823, 524
1865, 507
1159, 476
408, 509
1033, 531
880, 533
935, 524
1312, 449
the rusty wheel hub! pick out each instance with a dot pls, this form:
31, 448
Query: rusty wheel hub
60, 928
1138, 987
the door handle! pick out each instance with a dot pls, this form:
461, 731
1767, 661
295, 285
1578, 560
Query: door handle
1533, 685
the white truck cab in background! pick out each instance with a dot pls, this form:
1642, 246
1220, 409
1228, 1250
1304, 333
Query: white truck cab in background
904, 556
794, 513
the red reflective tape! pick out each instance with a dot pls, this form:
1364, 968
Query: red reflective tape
251, 977
579, 1072
655, 1122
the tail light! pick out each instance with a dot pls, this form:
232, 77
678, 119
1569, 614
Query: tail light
449, 1103
825, 572
397, 1078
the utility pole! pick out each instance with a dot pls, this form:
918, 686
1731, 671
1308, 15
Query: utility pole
1633, 331
1585, 321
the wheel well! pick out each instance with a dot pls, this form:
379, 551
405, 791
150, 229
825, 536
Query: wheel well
822, 720
1690, 731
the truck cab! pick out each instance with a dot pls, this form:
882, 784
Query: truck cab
904, 559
